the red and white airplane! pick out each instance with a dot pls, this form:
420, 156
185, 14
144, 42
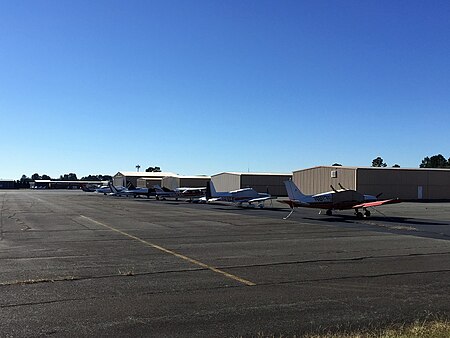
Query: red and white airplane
334, 200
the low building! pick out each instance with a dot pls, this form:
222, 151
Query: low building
261, 182
129, 178
403, 183
60, 184
7, 184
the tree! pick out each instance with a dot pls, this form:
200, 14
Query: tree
153, 170
68, 177
436, 161
25, 178
35, 177
46, 177
395, 166
337, 165
97, 178
378, 162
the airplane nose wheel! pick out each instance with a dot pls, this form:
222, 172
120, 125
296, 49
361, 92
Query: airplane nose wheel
366, 213
329, 212
358, 214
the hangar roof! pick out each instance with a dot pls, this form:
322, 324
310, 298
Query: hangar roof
254, 174
374, 168
145, 174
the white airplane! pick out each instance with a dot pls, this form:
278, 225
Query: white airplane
238, 197
104, 189
130, 192
333, 200
191, 194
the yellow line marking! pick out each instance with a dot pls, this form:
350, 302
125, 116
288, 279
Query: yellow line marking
173, 253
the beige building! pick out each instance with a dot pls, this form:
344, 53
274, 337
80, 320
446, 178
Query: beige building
407, 184
125, 178
173, 182
149, 182
261, 182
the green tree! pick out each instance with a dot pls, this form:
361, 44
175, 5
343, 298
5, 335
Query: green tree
337, 165
68, 177
35, 177
378, 162
395, 166
153, 169
436, 161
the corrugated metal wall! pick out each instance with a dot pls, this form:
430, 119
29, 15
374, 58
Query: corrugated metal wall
273, 184
408, 184
318, 179
148, 182
226, 181
194, 182
405, 183
119, 180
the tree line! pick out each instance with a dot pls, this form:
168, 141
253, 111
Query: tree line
435, 161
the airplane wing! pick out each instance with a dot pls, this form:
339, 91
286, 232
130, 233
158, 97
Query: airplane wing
376, 203
259, 199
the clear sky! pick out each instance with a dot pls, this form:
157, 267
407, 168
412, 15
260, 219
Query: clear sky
204, 86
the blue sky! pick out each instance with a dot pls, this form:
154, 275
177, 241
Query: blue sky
202, 87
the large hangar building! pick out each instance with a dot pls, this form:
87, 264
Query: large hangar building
406, 184
261, 182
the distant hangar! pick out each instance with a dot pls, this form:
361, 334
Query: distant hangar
164, 179
261, 182
406, 184
125, 178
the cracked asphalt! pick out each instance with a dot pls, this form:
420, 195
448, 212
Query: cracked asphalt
84, 264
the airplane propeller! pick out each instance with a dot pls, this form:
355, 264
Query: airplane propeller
379, 195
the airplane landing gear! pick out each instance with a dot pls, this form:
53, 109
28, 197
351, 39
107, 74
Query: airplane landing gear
366, 213
329, 212
358, 214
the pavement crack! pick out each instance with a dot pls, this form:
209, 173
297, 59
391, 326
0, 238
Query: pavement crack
332, 279
361, 258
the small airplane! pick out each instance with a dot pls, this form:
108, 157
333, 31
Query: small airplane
89, 187
191, 194
136, 192
238, 197
334, 200
104, 189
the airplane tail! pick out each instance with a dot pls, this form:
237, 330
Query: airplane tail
112, 187
210, 190
293, 191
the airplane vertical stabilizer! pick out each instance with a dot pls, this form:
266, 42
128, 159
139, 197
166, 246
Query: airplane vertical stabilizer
293, 191
113, 188
210, 190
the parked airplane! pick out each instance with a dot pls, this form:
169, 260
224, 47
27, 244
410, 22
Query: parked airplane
334, 200
130, 192
89, 187
191, 194
104, 189
240, 196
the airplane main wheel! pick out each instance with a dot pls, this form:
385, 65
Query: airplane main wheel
367, 213
359, 214
329, 212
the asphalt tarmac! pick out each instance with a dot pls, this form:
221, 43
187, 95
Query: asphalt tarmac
84, 264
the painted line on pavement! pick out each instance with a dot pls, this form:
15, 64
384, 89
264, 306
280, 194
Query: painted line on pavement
173, 253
